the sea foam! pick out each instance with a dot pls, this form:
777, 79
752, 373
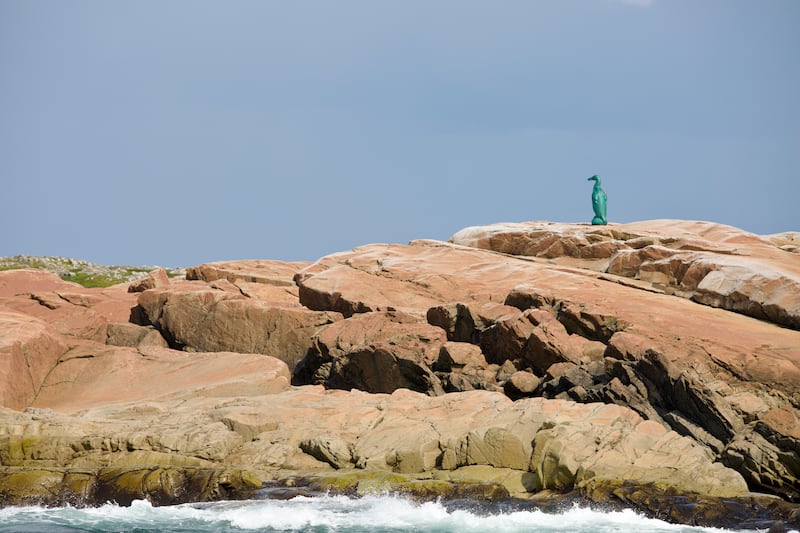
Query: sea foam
326, 513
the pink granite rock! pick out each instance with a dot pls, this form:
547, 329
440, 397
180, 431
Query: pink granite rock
591, 316
153, 280
709, 263
29, 350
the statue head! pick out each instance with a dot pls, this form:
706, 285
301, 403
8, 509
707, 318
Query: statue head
595, 178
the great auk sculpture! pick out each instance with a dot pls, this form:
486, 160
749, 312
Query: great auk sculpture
599, 199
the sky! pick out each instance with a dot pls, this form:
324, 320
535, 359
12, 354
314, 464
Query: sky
177, 132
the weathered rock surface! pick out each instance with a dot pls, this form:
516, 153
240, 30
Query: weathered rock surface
27, 281
160, 485
70, 309
29, 349
270, 281
309, 428
375, 352
275, 273
576, 360
679, 371
89, 374
133, 335
709, 263
788, 241
200, 317
153, 280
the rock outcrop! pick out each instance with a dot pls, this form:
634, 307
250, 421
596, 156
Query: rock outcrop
153, 280
375, 352
626, 343
709, 263
271, 281
29, 350
549, 444
630, 363
160, 485
213, 317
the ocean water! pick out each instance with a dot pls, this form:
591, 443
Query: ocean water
324, 514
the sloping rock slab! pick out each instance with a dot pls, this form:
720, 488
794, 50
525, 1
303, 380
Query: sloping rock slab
412, 279
271, 281
69, 308
90, 374
29, 349
276, 273
713, 264
202, 318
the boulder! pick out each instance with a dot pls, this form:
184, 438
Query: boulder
561, 377
459, 355
463, 367
375, 352
132, 335
332, 450
545, 239
329, 290
534, 337
155, 279
521, 383
201, 318
466, 322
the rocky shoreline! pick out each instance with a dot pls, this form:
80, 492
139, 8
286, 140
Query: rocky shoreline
177, 485
653, 365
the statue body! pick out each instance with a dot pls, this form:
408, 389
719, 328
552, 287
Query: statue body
598, 202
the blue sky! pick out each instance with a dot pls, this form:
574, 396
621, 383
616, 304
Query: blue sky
179, 132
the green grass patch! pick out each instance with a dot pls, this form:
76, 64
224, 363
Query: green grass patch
81, 272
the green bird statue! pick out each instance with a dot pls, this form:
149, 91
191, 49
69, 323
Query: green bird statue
598, 202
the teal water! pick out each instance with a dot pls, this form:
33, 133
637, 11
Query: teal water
324, 514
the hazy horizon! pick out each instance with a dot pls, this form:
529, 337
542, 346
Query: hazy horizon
175, 133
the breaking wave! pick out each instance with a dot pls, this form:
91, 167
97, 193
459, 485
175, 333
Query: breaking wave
325, 514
